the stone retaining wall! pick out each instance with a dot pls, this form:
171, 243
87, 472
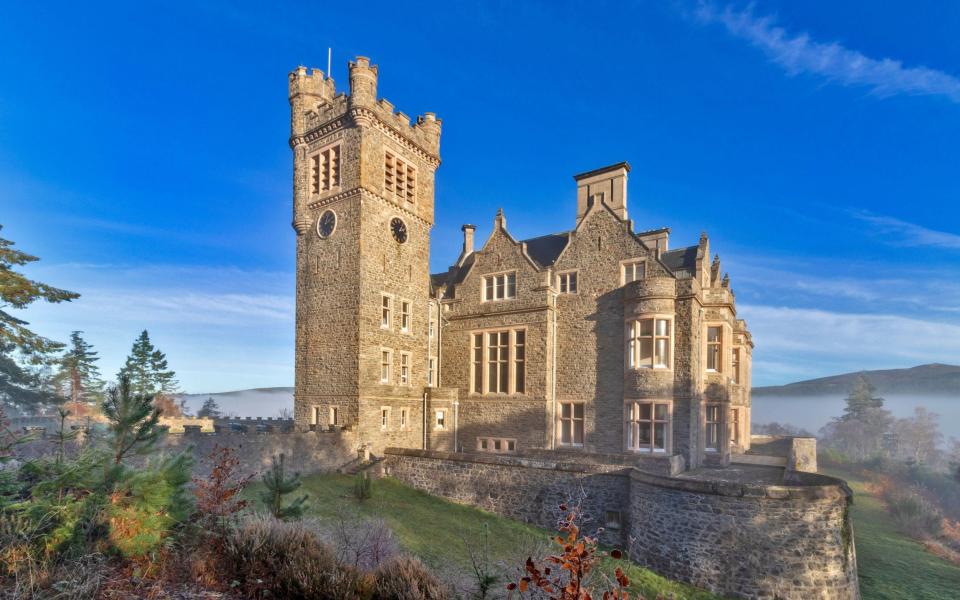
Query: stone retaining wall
746, 540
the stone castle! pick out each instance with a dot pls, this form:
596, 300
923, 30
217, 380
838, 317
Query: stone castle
598, 355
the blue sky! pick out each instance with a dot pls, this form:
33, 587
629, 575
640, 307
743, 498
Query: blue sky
143, 156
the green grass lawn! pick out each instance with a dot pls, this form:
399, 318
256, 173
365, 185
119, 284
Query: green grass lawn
434, 530
890, 564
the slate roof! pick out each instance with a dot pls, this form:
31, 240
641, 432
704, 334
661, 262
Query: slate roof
680, 259
547, 248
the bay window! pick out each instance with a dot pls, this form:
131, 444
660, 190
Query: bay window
650, 343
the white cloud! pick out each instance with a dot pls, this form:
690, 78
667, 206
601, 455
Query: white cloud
221, 327
797, 343
903, 233
798, 53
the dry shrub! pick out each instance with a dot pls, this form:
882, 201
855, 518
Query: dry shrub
405, 578
362, 543
914, 513
264, 556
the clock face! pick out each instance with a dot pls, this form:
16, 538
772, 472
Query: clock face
399, 230
326, 224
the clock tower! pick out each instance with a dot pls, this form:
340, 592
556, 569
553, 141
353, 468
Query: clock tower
363, 201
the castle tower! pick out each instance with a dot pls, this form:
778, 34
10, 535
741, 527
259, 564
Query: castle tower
363, 203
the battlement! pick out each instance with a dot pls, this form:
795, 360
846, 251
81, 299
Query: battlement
311, 82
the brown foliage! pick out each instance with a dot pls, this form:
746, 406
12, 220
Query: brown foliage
218, 496
405, 578
264, 556
563, 576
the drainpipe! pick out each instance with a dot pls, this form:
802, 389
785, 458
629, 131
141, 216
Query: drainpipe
553, 393
424, 420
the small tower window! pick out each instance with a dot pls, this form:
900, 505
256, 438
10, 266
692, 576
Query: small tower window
399, 179
325, 170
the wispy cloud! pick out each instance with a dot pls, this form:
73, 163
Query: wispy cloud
799, 53
221, 327
796, 343
903, 233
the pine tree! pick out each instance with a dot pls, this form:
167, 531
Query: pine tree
133, 420
78, 375
861, 401
278, 486
149, 374
209, 409
22, 350
137, 368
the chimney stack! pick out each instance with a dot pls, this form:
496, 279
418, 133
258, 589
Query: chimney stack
607, 185
468, 231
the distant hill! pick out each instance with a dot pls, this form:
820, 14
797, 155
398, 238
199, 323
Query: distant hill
257, 402
936, 378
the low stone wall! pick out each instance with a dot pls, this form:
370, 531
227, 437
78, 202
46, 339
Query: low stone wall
746, 540
307, 452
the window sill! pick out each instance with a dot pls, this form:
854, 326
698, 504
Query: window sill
654, 453
499, 300
573, 446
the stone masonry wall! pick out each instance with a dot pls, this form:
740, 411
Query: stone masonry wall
748, 541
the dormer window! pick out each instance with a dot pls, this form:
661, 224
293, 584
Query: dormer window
325, 169
502, 286
399, 179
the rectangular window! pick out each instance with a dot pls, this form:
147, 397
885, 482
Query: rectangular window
567, 282
400, 179
648, 426
334, 416
496, 445
404, 368
386, 364
476, 385
405, 316
403, 418
713, 424
314, 415
325, 170
498, 357
736, 365
440, 420
430, 330
500, 287
714, 348
571, 423
384, 417
650, 343
431, 369
612, 519
498, 363
386, 311
633, 270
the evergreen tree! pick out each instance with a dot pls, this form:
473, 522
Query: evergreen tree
861, 401
22, 350
279, 485
78, 376
209, 409
149, 374
137, 368
132, 420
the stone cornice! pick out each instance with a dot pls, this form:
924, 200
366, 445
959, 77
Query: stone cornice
361, 114
365, 193
317, 132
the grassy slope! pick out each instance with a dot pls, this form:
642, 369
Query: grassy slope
434, 530
891, 565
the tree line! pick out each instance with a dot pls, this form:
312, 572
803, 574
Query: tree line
867, 431
38, 374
